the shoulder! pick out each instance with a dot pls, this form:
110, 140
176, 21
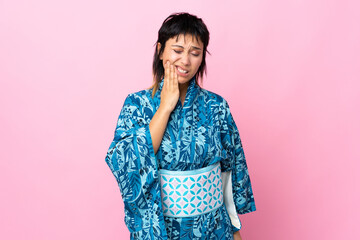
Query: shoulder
213, 98
138, 97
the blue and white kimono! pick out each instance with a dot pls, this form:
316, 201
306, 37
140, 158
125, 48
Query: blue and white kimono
200, 133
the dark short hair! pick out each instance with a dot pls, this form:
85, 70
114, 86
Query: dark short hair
175, 25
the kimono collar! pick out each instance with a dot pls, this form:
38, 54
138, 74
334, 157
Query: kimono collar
191, 93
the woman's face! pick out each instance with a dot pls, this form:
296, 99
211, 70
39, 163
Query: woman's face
185, 54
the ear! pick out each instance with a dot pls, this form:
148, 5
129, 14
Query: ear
158, 50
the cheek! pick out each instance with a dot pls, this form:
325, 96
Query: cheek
197, 62
171, 57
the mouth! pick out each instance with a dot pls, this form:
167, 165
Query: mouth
181, 70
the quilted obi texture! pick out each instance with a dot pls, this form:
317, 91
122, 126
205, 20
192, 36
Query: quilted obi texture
191, 193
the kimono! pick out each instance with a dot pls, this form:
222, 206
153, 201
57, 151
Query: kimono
200, 133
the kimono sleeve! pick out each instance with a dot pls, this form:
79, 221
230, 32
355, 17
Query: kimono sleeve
132, 161
238, 176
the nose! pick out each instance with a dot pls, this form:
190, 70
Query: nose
185, 60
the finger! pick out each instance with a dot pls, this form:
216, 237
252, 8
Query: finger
173, 75
171, 82
175, 82
176, 79
167, 73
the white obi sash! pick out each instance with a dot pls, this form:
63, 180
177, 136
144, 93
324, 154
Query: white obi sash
191, 193
196, 192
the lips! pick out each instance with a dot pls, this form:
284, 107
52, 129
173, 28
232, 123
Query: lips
182, 69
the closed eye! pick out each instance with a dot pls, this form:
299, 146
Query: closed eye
181, 51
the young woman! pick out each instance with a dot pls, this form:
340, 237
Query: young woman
176, 153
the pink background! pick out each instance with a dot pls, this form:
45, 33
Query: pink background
289, 70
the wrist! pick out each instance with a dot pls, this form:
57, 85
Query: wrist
164, 110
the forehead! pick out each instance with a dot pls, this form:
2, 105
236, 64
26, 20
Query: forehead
186, 39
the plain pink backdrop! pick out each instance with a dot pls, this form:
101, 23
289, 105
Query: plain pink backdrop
289, 70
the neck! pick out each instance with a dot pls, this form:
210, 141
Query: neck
183, 88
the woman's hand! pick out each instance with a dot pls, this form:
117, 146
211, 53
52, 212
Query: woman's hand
169, 97
237, 235
170, 91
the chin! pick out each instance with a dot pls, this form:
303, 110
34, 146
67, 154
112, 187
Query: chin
182, 80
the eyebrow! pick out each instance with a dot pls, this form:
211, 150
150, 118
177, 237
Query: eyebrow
174, 45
